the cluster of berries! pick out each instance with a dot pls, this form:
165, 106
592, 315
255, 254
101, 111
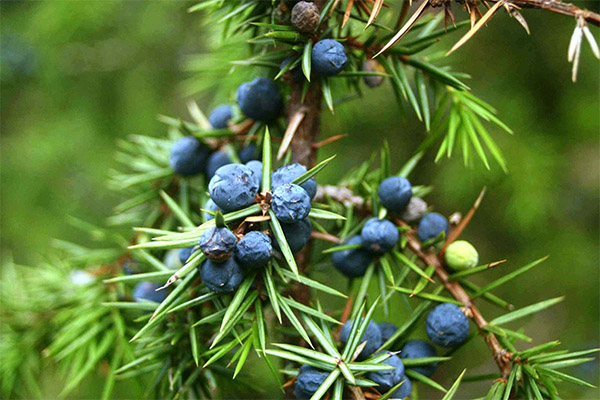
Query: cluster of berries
233, 187
446, 326
379, 236
189, 156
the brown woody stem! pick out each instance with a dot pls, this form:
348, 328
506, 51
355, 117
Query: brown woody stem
560, 8
305, 153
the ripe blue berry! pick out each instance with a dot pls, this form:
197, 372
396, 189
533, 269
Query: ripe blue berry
256, 167
254, 250
130, 267
188, 156
447, 325
288, 173
379, 235
249, 153
147, 291
403, 391
395, 193
389, 378
354, 262
216, 161
260, 99
296, 234
372, 336
290, 203
308, 382
431, 226
222, 277
387, 330
233, 187
185, 253
328, 57
420, 349
218, 244
219, 117
211, 206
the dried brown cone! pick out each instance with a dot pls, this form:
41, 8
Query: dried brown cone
305, 16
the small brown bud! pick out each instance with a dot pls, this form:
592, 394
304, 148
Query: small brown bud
372, 66
305, 16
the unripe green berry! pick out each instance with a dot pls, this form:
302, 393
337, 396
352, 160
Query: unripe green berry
461, 255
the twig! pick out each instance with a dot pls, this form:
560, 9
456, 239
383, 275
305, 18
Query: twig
455, 233
559, 8
501, 356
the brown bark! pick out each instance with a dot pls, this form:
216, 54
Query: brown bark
305, 153
560, 8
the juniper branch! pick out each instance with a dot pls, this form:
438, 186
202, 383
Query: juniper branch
501, 356
560, 8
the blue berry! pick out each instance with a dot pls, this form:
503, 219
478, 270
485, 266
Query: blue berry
420, 349
249, 153
308, 382
216, 161
290, 203
218, 243
219, 117
379, 235
147, 291
233, 187
288, 173
352, 263
328, 57
395, 193
256, 167
447, 325
185, 253
211, 206
296, 234
389, 378
403, 391
188, 156
431, 225
254, 250
295, 72
387, 330
372, 336
130, 267
260, 99
222, 277
373, 81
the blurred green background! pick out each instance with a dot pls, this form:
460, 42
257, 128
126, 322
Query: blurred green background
76, 76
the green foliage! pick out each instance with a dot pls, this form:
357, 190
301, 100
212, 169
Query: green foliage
195, 342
